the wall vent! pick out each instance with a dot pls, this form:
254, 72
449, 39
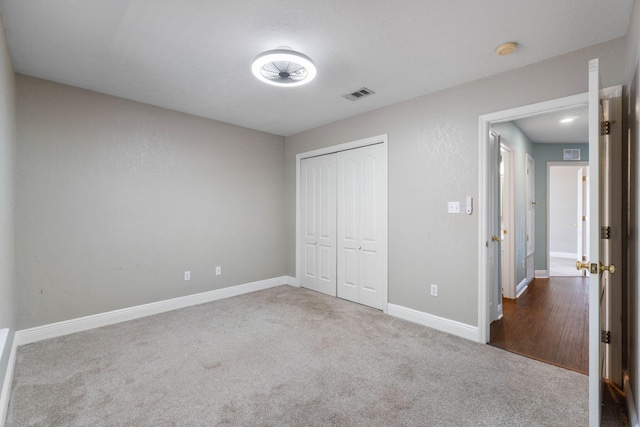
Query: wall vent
571, 154
360, 93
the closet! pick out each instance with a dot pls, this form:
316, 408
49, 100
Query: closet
343, 224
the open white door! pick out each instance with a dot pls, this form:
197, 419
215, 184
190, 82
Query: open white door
605, 329
495, 271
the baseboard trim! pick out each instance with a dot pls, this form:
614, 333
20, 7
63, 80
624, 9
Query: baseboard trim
567, 255
53, 330
6, 385
541, 274
292, 281
521, 287
440, 323
631, 407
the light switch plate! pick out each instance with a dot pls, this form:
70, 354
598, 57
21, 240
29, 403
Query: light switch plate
454, 207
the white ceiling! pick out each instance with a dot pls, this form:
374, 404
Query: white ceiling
548, 128
195, 55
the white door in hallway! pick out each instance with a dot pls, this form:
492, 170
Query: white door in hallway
318, 223
362, 225
605, 256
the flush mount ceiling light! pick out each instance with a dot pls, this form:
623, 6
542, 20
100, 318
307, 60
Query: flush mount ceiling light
506, 48
283, 67
568, 119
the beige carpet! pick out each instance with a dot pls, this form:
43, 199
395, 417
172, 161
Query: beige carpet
285, 357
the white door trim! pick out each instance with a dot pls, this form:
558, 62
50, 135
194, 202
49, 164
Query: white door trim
380, 139
483, 204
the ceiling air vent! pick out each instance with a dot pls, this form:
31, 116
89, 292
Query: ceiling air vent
360, 93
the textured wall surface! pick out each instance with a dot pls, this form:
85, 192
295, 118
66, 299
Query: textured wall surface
7, 165
433, 158
115, 199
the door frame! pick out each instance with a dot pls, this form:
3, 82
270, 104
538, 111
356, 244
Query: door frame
554, 164
484, 235
379, 139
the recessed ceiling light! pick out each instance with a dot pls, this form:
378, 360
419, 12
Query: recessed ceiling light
506, 48
568, 119
283, 67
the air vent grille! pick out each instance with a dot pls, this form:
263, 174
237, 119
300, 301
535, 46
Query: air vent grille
571, 154
359, 94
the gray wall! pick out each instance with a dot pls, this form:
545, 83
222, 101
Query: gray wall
433, 158
115, 199
7, 164
543, 153
517, 141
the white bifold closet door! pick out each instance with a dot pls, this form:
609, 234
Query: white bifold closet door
362, 225
343, 220
318, 223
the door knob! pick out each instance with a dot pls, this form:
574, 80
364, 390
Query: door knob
610, 268
580, 265
359, 247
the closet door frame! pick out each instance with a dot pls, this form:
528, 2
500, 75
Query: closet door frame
380, 139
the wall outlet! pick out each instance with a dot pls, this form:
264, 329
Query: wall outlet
453, 207
218, 270
187, 275
434, 290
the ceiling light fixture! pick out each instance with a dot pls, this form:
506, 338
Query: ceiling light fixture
568, 119
506, 48
283, 67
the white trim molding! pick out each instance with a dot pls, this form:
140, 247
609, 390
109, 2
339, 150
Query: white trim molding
71, 326
541, 274
631, 407
440, 323
6, 386
522, 286
291, 281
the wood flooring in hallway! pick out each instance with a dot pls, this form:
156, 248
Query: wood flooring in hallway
549, 322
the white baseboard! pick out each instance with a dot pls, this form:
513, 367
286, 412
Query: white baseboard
291, 281
541, 274
521, 287
71, 326
6, 386
568, 255
440, 323
631, 407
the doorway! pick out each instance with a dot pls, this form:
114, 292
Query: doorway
567, 218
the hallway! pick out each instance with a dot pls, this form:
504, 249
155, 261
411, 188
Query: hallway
549, 322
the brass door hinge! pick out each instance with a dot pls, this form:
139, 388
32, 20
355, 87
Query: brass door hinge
605, 232
605, 128
605, 337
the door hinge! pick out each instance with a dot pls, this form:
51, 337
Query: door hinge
605, 337
605, 232
605, 128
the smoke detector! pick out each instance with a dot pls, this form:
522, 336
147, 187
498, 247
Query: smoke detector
283, 67
506, 48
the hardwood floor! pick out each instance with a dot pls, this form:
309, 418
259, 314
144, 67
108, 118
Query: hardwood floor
549, 322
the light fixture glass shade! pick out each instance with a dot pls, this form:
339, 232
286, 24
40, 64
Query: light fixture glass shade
282, 67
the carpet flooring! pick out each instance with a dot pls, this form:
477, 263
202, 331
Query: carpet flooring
285, 357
